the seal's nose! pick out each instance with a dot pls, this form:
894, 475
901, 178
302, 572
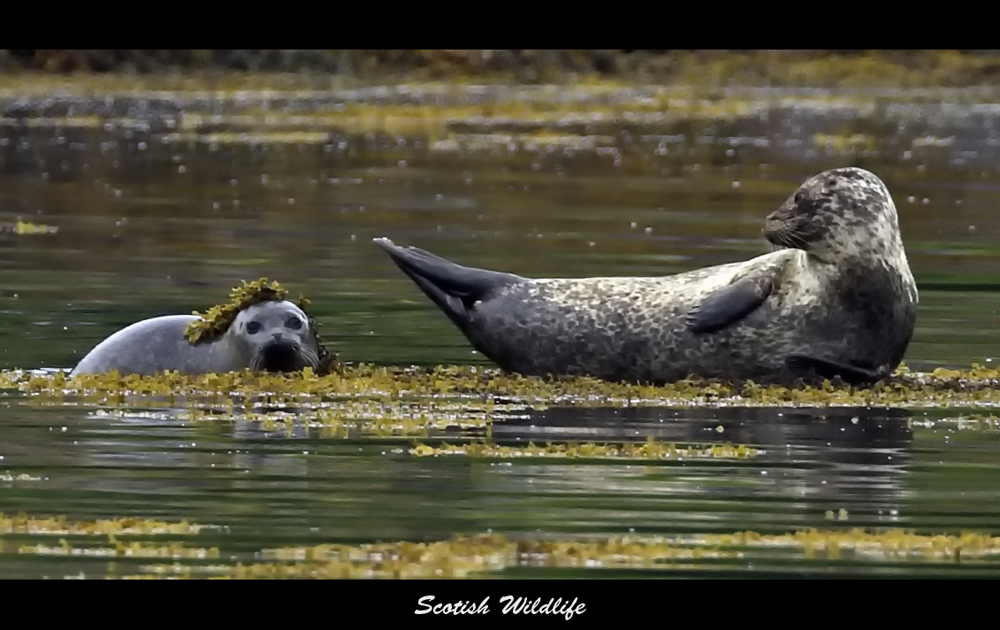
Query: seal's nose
277, 336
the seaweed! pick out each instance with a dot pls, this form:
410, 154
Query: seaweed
480, 554
978, 387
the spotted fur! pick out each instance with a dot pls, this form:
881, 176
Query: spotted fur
839, 292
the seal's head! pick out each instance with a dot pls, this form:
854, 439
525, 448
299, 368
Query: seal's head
275, 337
841, 213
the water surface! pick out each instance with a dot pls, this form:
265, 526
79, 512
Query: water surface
155, 204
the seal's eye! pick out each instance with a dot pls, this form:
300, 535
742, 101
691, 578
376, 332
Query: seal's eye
799, 196
253, 328
294, 323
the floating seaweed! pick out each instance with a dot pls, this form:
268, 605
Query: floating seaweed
340, 420
978, 387
22, 228
463, 556
62, 526
478, 554
651, 449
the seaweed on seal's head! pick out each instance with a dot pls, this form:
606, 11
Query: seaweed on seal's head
217, 320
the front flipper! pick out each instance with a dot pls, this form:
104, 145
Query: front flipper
825, 368
729, 304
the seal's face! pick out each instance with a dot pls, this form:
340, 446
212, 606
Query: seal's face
276, 337
839, 213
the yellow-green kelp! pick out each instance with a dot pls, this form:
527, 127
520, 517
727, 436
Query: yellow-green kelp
977, 387
477, 555
76, 538
487, 554
217, 320
22, 228
62, 526
650, 450
463, 556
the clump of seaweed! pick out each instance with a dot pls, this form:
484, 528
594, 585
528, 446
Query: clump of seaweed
119, 549
978, 387
26, 227
61, 526
216, 321
651, 449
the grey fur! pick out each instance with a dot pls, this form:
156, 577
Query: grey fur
158, 344
838, 301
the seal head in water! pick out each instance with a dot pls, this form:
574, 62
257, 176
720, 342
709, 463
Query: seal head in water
270, 336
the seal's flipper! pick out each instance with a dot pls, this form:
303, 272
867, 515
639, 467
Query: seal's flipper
728, 305
825, 368
452, 287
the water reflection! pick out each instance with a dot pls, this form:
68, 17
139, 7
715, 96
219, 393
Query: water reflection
817, 459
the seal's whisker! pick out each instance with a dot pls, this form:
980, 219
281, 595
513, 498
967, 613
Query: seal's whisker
780, 236
787, 236
310, 358
797, 239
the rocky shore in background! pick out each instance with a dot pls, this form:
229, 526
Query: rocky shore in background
765, 67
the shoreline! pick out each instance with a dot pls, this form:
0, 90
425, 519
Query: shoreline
707, 69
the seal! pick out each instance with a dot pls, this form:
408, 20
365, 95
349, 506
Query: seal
270, 336
836, 299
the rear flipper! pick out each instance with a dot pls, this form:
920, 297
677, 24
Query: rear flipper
850, 374
454, 288
729, 304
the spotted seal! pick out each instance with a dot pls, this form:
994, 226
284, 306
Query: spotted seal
837, 299
271, 336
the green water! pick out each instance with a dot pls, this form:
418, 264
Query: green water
152, 218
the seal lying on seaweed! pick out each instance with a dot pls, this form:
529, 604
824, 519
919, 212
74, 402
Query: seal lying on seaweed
839, 300
257, 330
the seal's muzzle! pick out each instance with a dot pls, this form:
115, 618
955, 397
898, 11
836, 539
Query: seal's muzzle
280, 356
